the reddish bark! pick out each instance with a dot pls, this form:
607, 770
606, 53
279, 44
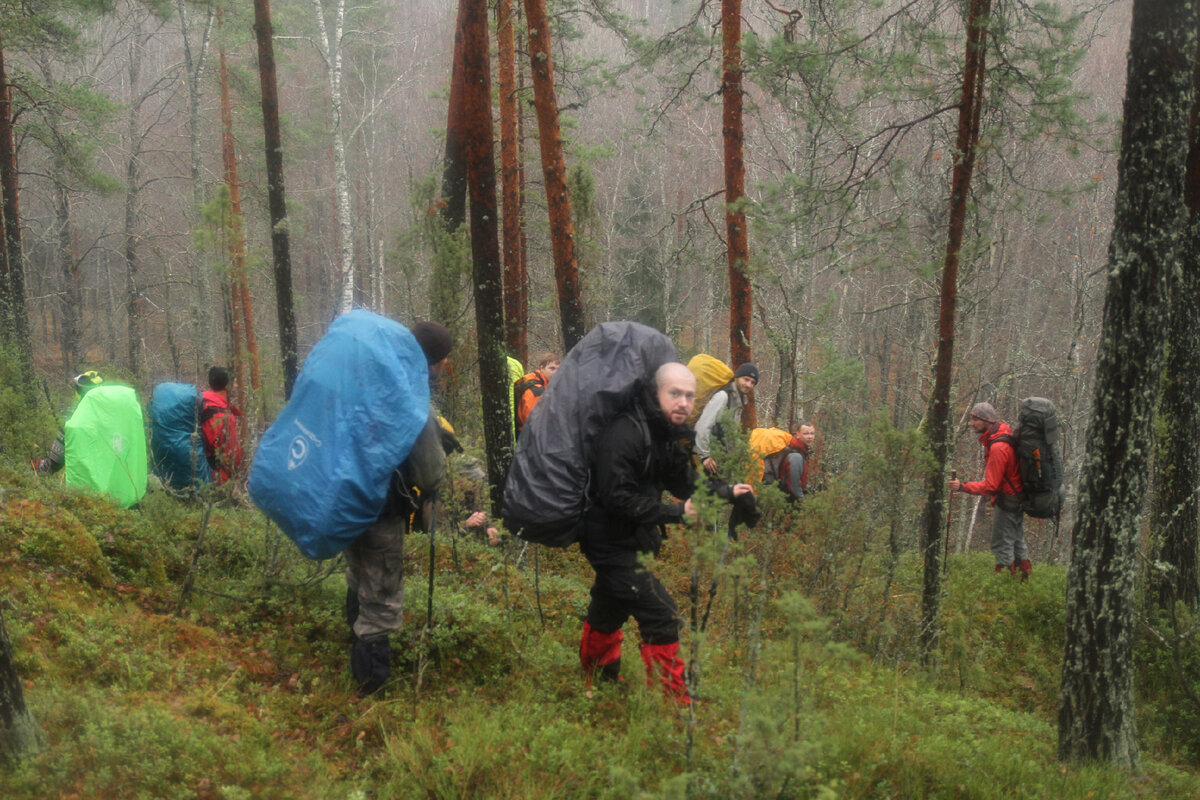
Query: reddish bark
485, 251
454, 176
554, 171
516, 299
970, 107
741, 299
289, 349
241, 319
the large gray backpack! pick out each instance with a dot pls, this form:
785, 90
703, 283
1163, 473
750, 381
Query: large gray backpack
1039, 458
545, 494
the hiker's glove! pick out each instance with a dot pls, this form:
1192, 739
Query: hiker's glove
745, 511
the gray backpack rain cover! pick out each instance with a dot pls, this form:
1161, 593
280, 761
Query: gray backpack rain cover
545, 495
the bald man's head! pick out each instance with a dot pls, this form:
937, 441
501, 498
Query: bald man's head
676, 391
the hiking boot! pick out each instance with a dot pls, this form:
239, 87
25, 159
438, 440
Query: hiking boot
600, 654
1025, 568
1000, 568
370, 663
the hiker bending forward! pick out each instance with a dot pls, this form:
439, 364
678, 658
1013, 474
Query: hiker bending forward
1002, 482
375, 560
646, 449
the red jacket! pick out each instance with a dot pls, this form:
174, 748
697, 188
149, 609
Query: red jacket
219, 428
1001, 474
527, 392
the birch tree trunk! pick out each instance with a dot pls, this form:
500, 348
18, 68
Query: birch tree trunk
289, 349
554, 171
974, 71
1096, 710
741, 299
331, 51
485, 251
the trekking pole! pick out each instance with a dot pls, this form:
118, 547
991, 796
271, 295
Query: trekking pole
432, 529
949, 511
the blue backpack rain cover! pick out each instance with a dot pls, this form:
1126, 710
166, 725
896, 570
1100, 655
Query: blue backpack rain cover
545, 494
322, 469
176, 449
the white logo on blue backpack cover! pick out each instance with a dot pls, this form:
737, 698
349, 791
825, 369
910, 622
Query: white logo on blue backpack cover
298, 450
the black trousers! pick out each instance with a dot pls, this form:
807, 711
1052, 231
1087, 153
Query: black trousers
622, 592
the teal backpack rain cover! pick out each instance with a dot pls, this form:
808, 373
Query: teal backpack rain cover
176, 450
322, 470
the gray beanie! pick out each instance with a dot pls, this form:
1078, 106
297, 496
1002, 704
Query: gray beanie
985, 412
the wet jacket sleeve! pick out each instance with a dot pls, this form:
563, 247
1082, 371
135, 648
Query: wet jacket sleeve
708, 419
620, 485
1000, 456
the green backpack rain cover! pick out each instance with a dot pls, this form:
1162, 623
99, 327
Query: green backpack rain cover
105, 444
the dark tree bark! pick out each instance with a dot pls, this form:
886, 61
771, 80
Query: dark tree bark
1176, 513
12, 289
741, 299
516, 296
454, 170
485, 251
974, 72
1096, 710
289, 349
18, 732
554, 171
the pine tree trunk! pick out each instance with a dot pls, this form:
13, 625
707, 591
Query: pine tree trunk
485, 250
15, 314
289, 349
18, 732
1096, 709
974, 73
1176, 514
236, 246
741, 300
554, 171
516, 300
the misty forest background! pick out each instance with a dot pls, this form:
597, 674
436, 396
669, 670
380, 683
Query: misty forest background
872, 134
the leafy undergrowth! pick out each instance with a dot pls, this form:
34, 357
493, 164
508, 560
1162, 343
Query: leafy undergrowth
246, 693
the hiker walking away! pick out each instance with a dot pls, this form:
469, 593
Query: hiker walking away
529, 389
1002, 482
647, 449
56, 455
732, 397
219, 428
375, 560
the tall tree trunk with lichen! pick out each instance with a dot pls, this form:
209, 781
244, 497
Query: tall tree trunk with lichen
1096, 720
485, 252
18, 732
1176, 512
289, 348
974, 72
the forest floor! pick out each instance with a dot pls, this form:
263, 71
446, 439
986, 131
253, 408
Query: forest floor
809, 686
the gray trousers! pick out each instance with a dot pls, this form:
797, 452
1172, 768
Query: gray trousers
375, 570
1008, 536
